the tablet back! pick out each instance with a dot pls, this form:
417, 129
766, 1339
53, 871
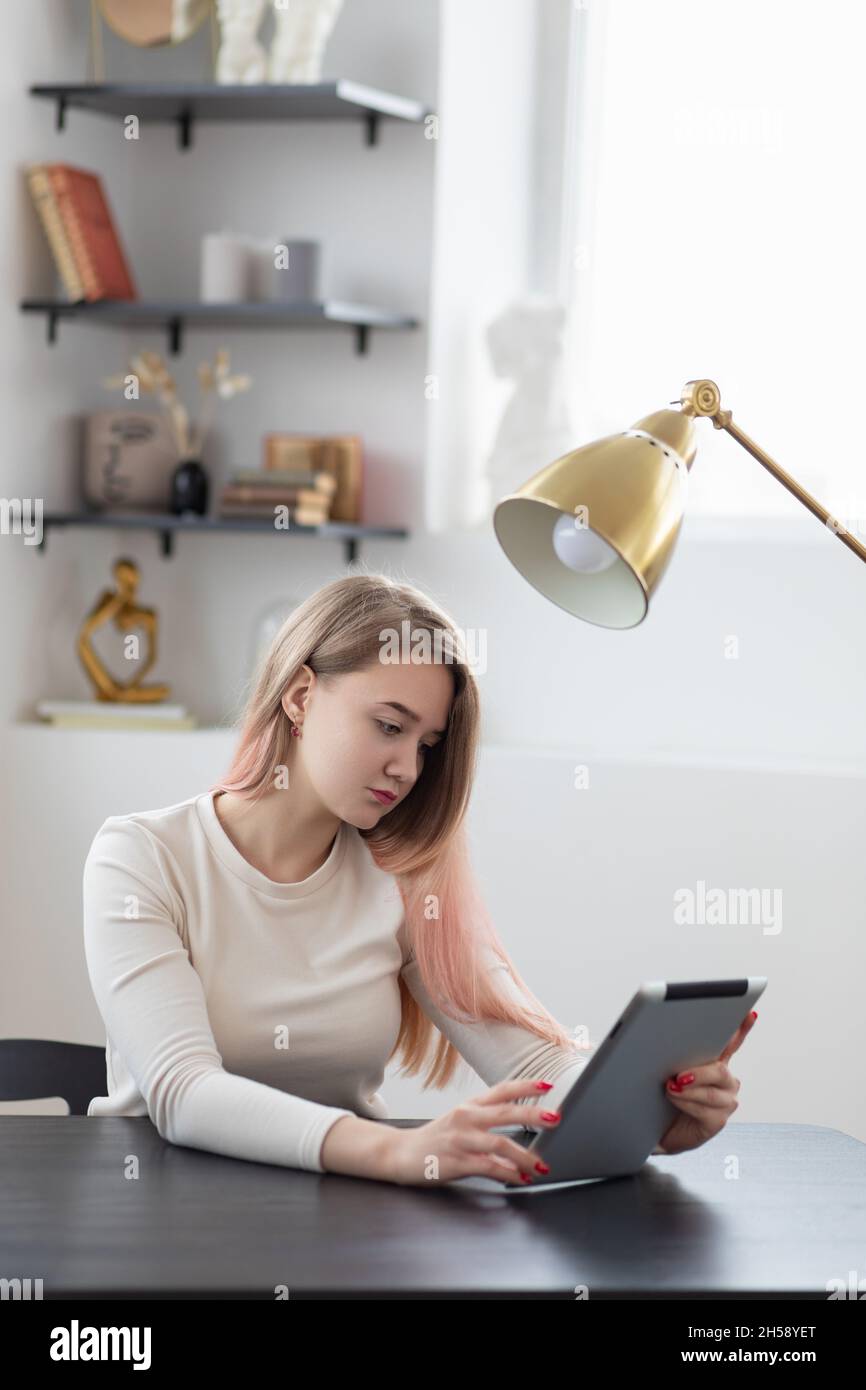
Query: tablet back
617, 1110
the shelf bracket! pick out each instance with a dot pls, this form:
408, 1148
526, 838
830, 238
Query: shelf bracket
351, 546
371, 122
60, 119
184, 129
175, 335
362, 334
166, 539
51, 326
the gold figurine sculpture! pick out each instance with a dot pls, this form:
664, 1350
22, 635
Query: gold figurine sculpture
118, 606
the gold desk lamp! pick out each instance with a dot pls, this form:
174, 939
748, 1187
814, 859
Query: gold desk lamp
594, 531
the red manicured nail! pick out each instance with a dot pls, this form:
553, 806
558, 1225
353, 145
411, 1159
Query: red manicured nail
687, 1079
754, 1013
674, 1086
541, 1167
544, 1085
524, 1177
551, 1115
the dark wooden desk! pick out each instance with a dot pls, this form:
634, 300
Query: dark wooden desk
196, 1225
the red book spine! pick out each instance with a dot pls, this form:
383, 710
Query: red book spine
90, 227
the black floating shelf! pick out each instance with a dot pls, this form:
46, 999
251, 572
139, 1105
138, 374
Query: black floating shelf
185, 103
167, 526
175, 315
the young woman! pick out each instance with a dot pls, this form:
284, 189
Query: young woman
260, 951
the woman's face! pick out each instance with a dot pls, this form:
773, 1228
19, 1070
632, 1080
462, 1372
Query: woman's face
354, 739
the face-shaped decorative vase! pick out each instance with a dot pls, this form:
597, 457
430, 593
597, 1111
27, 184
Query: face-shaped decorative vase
129, 457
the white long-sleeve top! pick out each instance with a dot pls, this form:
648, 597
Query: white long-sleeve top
245, 1016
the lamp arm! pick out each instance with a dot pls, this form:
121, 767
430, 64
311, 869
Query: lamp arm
702, 398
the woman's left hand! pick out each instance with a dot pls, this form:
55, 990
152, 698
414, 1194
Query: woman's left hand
706, 1103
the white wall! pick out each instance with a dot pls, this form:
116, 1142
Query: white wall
774, 742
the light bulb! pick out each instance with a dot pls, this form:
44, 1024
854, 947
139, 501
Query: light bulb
581, 549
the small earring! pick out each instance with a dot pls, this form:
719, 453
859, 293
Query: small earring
296, 733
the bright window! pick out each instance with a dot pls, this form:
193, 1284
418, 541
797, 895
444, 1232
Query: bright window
715, 227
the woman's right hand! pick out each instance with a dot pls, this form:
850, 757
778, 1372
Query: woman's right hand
460, 1144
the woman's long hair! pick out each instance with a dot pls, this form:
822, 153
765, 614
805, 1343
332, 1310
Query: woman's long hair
337, 630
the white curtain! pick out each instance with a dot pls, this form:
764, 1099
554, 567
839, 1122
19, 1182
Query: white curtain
497, 73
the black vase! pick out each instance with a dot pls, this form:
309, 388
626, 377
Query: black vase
189, 488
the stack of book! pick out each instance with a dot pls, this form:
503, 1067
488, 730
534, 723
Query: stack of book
107, 714
84, 242
341, 455
303, 495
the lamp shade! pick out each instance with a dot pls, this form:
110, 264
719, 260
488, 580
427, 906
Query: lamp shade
594, 530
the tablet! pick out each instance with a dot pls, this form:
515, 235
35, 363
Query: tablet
618, 1109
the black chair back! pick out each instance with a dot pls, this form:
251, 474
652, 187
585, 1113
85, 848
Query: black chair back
34, 1068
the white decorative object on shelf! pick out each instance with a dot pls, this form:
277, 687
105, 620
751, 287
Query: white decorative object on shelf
301, 32
186, 16
224, 275
285, 271
241, 58
525, 344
